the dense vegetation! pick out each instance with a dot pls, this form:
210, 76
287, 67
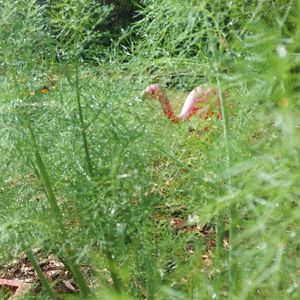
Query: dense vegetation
133, 206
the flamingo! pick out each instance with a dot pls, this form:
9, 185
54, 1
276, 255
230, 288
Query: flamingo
202, 101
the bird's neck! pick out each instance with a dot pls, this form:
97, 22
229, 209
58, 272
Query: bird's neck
167, 108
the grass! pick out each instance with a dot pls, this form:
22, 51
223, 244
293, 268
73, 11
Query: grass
136, 207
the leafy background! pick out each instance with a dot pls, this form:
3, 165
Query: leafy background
135, 207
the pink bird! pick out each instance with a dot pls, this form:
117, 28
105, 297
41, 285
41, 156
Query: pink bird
202, 101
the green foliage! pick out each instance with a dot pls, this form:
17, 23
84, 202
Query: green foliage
60, 30
24, 34
207, 37
96, 177
74, 25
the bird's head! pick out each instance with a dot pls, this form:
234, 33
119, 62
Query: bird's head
153, 91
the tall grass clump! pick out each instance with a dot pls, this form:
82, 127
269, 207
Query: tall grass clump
135, 207
183, 41
237, 47
72, 183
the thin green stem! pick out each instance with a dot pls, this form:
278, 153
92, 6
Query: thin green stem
219, 249
75, 268
40, 163
113, 271
111, 264
50, 291
46, 180
82, 124
232, 209
49, 191
57, 214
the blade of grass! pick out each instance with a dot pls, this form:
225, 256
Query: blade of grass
50, 291
232, 209
82, 123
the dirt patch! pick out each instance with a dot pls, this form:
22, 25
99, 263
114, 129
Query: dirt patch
53, 269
